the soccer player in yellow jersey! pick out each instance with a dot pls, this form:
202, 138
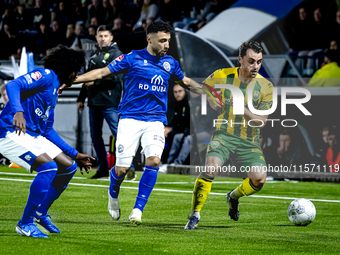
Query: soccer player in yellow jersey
236, 136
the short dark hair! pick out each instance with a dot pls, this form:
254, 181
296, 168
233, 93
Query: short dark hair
2, 86
158, 26
103, 28
333, 55
64, 61
334, 131
253, 45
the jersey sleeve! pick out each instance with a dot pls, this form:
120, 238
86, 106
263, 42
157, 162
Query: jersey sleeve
267, 100
51, 135
119, 65
177, 74
34, 80
212, 79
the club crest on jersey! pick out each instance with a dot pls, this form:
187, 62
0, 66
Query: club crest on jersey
36, 75
167, 66
214, 144
120, 148
119, 58
107, 55
145, 62
256, 96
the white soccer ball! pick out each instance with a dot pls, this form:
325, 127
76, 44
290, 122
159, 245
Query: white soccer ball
301, 212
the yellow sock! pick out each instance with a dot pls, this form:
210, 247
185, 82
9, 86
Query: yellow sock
246, 188
201, 191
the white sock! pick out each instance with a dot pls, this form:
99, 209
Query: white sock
234, 195
196, 214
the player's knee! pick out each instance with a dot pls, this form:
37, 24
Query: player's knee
212, 165
153, 161
121, 170
258, 183
72, 168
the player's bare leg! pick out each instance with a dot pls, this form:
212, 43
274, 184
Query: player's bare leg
146, 185
202, 189
253, 184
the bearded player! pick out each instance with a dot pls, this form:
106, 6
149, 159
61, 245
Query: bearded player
142, 111
235, 138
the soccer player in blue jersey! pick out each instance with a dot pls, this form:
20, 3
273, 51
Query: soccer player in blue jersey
142, 111
27, 136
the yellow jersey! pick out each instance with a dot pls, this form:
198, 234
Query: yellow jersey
237, 125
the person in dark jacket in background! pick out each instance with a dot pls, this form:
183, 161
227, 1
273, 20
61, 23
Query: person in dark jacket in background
104, 98
180, 126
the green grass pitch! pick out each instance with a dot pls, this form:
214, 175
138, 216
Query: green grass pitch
87, 228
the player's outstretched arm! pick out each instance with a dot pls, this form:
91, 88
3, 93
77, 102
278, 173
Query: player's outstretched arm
197, 88
93, 75
191, 85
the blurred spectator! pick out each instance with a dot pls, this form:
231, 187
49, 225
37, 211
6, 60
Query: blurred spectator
6, 18
78, 14
62, 15
92, 33
287, 153
70, 35
322, 146
191, 11
149, 12
179, 128
40, 13
211, 9
301, 32
94, 10
43, 41
334, 44
3, 93
8, 41
57, 36
27, 3
119, 26
169, 11
79, 30
94, 22
320, 31
329, 74
17, 53
114, 12
333, 152
336, 24
131, 12
22, 21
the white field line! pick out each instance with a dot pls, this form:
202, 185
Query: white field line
177, 191
107, 179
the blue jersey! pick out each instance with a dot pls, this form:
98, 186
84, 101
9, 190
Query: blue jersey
145, 84
35, 94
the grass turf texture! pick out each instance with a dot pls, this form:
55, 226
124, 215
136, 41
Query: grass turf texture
86, 227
